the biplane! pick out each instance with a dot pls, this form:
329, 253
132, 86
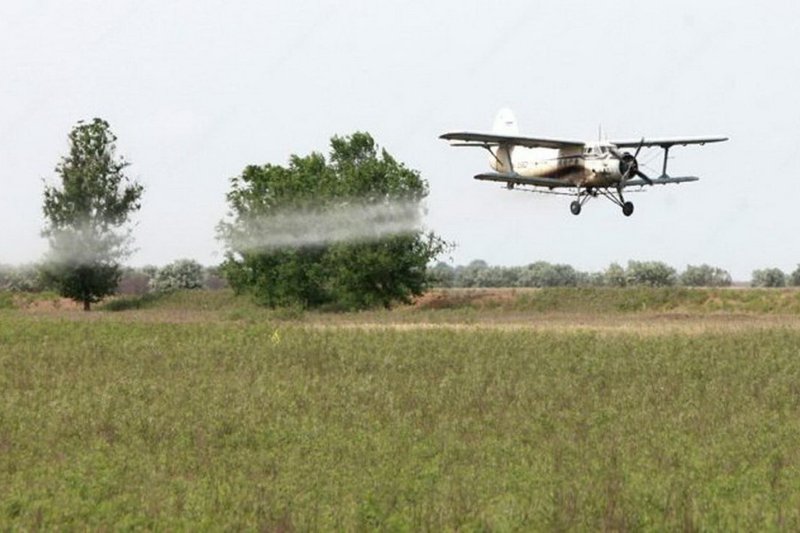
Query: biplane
591, 169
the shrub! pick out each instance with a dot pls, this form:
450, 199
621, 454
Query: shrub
181, 274
614, 276
468, 276
544, 274
650, 273
768, 277
442, 275
705, 276
794, 277
23, 278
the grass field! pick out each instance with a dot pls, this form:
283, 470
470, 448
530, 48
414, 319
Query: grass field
563, 409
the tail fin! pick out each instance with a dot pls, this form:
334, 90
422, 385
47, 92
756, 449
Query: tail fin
505, 123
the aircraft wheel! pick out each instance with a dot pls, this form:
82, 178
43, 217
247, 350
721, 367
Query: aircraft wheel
575, 207
627, 209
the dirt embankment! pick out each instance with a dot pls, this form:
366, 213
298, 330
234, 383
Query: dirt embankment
44, 305
450, 298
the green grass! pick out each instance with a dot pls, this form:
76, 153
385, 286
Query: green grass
256, 424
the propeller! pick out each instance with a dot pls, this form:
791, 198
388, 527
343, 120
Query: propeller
629, 167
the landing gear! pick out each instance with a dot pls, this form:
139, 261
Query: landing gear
583, 196
627, 209
618, 199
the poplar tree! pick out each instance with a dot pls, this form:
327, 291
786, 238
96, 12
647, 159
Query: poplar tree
87, 214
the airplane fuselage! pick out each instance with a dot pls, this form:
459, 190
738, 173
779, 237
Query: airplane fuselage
597, 165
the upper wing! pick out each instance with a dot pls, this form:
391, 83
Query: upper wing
516, 179
666, 143
494, 139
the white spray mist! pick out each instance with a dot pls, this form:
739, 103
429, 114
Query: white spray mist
348, 222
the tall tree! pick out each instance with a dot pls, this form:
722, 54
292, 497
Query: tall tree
87, 214
330, 259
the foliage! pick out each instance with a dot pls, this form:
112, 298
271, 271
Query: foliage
794, 277
479, 273
345, 274
23, 278
85, 215
180, 274
768, 277
650, 274
591, 279
173, 425
442, 275
138, 281
543, 274
496, 276
614, 276
468, 276
705, 276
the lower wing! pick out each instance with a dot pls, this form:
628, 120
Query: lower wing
555, 183
660, 181
516, 179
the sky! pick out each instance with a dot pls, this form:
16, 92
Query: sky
196, 90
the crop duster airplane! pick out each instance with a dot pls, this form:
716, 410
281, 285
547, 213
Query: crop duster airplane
591, 168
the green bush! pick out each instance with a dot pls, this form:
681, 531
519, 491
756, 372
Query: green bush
650, 274
794, 278
22, 278
768, 277
179, 275
705, 276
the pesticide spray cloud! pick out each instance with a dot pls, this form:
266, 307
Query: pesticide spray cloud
308, 227
86, 243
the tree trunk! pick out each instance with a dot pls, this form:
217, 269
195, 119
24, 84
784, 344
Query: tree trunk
87, 305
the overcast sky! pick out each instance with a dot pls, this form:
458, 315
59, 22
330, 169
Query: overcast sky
196, 90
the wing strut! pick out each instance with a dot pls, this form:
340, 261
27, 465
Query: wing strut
500, 163
666, 155
489, 149
508, 155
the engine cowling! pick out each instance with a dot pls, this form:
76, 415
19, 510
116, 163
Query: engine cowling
628, 166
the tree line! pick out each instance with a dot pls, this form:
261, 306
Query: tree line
479, 273
187, 274
182, 274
